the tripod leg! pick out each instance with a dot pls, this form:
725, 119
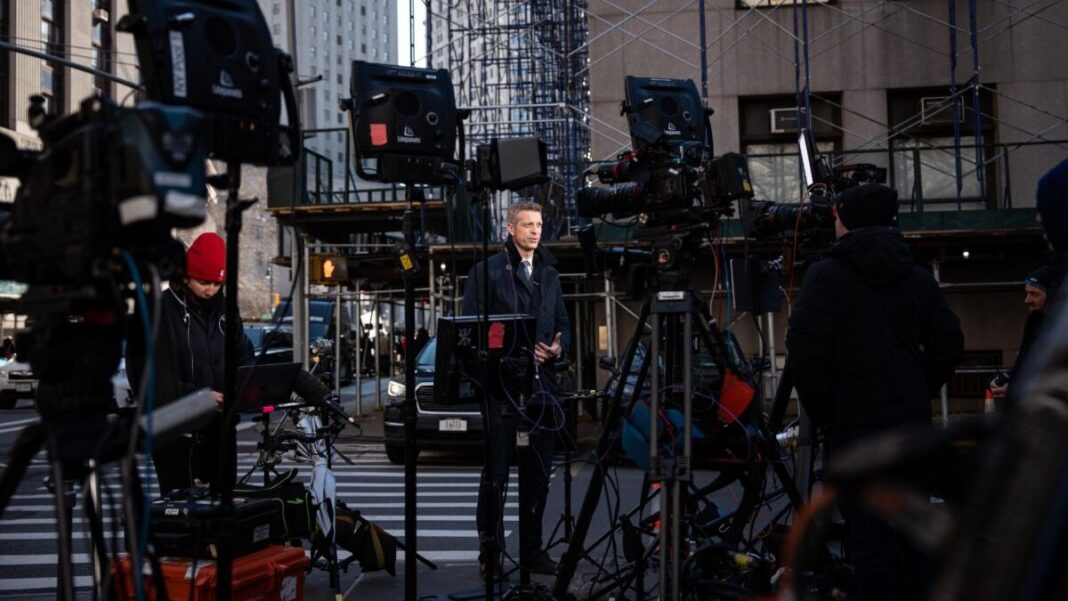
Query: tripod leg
569, 562
22, 452
65, 579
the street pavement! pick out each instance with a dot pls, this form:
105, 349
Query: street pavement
447, 491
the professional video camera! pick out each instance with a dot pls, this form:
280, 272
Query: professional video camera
812, 218
109, 181
669, 176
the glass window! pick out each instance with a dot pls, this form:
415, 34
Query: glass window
326, 35
937, 167
47, 77
311, 10
363, 48
313, 31
363, 11
350, 26
777, 177
340, 119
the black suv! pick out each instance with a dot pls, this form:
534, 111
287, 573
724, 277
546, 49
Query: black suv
448, 425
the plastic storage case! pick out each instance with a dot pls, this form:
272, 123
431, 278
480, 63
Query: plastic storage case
272, 574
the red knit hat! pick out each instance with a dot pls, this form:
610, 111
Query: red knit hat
206, 258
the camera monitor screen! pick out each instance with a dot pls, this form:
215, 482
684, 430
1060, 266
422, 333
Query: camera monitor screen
456, 367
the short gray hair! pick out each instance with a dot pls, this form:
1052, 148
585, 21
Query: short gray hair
522, 205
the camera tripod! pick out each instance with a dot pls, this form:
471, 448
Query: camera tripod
78, 437
674, 317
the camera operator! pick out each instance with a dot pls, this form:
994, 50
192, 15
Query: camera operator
871, 340
1051, 200
1036, 297
189, 357
523, 279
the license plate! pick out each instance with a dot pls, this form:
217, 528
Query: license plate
24, 387
452, 425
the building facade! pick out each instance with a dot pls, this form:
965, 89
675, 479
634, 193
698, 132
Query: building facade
325, 36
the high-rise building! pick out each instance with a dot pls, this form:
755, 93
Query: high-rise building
328, 35
79, 31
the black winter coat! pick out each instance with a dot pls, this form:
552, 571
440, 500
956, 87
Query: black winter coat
189, 347
510, 292
871, 337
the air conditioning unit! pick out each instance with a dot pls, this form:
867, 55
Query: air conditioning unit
937, 110
784, 120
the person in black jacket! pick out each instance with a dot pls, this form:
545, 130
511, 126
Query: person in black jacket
189, 357
522, 279
1036, 297
871, 340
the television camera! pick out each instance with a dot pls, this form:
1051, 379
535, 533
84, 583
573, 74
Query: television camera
669, 176
812, 218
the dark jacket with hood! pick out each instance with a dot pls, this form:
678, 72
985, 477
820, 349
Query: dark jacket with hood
511, 292
871, 337
189, 347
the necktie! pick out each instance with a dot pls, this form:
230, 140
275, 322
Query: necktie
527, 269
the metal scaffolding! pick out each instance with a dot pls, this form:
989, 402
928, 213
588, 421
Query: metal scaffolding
519, 67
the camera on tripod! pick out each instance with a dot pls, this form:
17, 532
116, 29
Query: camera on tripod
108, 178
813, 218
669, 175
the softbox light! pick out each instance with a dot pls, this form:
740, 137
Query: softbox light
663, 111
403, 121
218, 57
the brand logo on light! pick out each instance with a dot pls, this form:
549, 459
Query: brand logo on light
671, 129
225, 87
409, 137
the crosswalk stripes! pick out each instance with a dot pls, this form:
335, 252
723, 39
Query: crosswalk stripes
373, 485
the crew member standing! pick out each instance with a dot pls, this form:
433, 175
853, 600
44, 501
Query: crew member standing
522, 279
871, 341
189, 357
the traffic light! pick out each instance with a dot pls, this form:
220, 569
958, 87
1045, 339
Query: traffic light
328, 268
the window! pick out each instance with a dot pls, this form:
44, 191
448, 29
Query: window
326, 116
326, 35
339, 40
746, 4
276, 29
52, 41
313, 31
768, 135
311, 11
374, 52
276, 8
340, 118
349, 26
363, 48
338, 78
923, 158
363, 11
5, 117
102, 45
311, 49
349, 44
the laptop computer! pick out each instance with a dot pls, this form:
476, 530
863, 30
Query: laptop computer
261, 385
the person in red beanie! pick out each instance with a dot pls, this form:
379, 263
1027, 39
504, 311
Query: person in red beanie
189, 357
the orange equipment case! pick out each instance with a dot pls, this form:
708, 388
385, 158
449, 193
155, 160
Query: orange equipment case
272, 574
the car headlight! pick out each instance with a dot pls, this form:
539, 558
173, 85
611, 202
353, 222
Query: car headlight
395, 389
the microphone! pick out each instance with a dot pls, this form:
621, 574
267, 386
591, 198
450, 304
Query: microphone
314, 392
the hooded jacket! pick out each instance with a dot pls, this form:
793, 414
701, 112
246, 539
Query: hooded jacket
189, 346
871, 337
511, 292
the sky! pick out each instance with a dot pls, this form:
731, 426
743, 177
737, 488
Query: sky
404, 52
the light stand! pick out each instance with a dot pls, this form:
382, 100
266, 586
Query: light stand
411, 592
227, 431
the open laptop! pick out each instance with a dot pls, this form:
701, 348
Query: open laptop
261, 385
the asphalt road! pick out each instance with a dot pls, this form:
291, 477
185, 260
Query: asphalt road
447, 488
